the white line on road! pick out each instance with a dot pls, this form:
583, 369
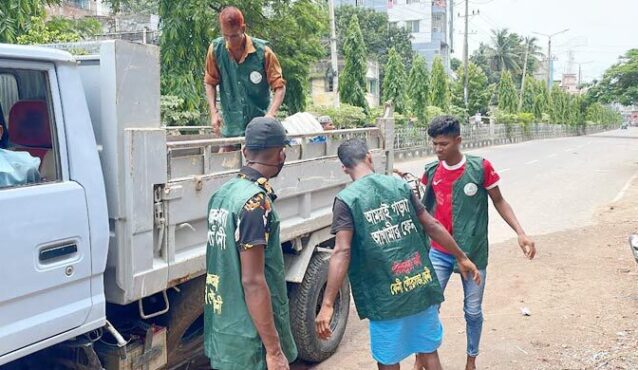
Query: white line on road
625, 188
503, 170
532, 162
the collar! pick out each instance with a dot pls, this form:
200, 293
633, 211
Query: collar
255, 176
249, 48
456, 166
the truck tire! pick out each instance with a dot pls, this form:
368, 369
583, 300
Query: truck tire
185, 327
305, 302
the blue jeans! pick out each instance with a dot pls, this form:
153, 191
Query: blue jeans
444, 266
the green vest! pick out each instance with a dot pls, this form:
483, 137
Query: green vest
470, 215
244, 89
390, 272
231, 339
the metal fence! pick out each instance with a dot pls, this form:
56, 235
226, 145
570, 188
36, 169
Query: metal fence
414, 141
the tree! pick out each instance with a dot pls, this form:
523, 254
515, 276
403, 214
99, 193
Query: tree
541, 100
352, 84
559, 100
455, 63
507, 97
478, 97
505, 51
419, 89
619, 83
394, 82
439, 85
188, 26
529, 94
59, 30
16, 17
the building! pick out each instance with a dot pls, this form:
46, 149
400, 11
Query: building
323, 91
569, 83
79, 8
428, 21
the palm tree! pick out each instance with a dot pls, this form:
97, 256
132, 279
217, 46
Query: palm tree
505, 51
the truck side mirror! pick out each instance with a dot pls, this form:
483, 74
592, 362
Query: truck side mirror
633, 243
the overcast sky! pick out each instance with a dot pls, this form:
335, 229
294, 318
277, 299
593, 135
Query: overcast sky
599, 30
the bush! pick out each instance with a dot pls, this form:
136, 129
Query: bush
505, 118
173, 113
433, 111
346, 116
460, 113
525, 118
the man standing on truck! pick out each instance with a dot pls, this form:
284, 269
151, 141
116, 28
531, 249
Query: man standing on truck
246, 69
457, 187
380, 230
247, 324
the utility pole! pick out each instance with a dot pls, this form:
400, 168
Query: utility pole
333, 53
466, 51
520, 99
549, 54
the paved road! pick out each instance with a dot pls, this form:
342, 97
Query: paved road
553, 185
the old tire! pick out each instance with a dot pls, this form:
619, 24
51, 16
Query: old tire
305, 302
185, 327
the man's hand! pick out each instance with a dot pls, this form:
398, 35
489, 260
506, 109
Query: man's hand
322, 322
215, 122
277, 360
527, 245
270, 115
467, 267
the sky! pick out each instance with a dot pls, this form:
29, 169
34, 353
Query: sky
599, 30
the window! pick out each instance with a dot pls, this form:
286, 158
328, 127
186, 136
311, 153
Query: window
28, 152
438, 23
412, 26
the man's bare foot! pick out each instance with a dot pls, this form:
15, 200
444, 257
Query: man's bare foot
471, 363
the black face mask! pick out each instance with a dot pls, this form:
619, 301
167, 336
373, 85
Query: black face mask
280, 166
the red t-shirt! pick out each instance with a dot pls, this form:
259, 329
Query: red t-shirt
443, 183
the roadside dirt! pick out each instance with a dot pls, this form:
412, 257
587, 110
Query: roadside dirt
581, 291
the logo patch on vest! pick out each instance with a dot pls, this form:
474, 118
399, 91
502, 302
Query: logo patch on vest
255, 77
470, 189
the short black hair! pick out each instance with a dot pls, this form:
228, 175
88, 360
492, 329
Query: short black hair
444, 126
352, 152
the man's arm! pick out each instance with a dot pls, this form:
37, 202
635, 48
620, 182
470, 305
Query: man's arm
277, 100
437, 232
507, 213
257, 295
275, 81
339, 264
211, 80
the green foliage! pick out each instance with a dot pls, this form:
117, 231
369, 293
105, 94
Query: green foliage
477, 87
346, 116
505, 118
433, 111
378, 35
460, 113
439, 85
525, 118
529, 94
173, 113
507, 97
599, 114
394, 82
455, 63
16, 17
59, 30
352, 83
619, 83
419, 89
559, 110
541, 100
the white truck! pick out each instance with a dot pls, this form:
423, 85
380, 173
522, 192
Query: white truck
102, 259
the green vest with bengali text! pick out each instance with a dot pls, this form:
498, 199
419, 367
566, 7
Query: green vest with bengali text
231, 339
390, 272
243, 89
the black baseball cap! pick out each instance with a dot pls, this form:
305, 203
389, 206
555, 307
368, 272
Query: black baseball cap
264, 133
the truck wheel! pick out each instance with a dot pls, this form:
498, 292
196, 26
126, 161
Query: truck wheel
185, 327
305, 302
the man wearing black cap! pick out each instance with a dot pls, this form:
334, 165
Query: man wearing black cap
247, 324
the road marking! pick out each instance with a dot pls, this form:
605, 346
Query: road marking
625, 188
503, 170
532, 162
552, 155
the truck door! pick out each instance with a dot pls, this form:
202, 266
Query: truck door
45, 261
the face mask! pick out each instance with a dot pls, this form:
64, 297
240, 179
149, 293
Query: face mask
280, 166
